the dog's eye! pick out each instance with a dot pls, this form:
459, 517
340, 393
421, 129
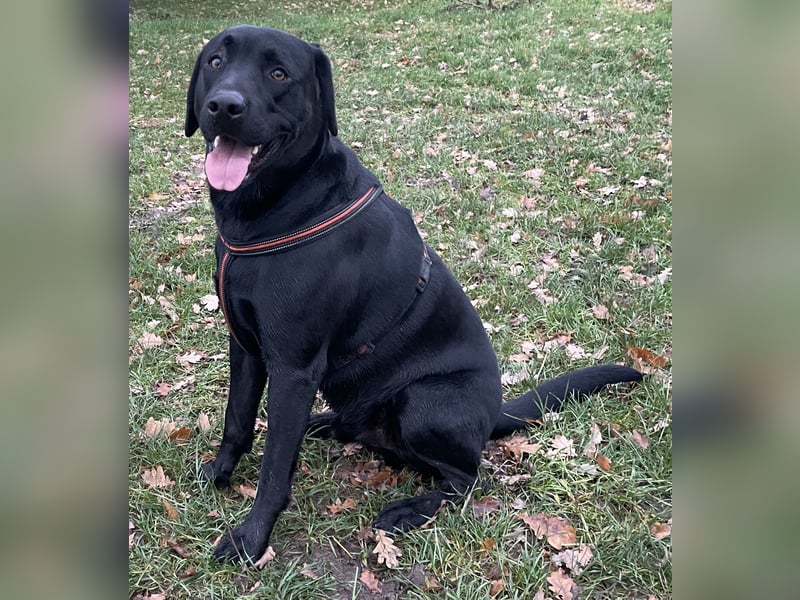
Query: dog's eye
215, 62
278, 74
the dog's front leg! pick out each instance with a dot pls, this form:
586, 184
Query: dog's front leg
289, 400
248, 378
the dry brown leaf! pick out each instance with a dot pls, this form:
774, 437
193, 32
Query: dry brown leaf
178, 549
539, 595
485, 506
163, 388
496, 587
600, 311
190, 357
561, 446
155, 428
203, 422
645, 358
603, 462
487, 545
338, 506
156, 478
661, 530
562, 586
150, 340
368, 579
210, 302
246, 490
172, 514
309, 574
431, 584
517, 445
558, 531
387, 552
268, 555
640, 439
574, 559
595, 438
180, 435
534, 174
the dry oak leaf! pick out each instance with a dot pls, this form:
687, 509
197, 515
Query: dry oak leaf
574, 559
661, 530
154, 428
368, 579
595, 439
539, 595
562, 586
203, 422
645, 358
387, 552
338, 506
246, 490
561, 446
181, 434
150, 340
210, 302
485, 506
640, 439
268, 555
600, 311
172, 514
603, 462
518, 445
558, 531
156, 478
496, 587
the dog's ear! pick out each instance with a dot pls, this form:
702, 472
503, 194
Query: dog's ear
322, 67
190, 124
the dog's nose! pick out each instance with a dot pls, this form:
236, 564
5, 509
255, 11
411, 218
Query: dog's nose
226, 105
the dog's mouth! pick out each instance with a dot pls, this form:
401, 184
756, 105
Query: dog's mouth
229, 162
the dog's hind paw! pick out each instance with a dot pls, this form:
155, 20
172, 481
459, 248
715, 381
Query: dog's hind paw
209, 473
409, 513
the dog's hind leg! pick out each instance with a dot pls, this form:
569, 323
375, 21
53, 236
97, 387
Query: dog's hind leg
442, 433
248, 378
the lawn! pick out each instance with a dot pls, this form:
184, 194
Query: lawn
533, 146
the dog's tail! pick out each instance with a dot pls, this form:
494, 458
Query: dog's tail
549, 396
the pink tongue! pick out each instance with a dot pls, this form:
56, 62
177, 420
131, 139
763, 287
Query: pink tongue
226, 165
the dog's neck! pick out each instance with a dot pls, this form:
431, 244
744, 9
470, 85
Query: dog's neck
286, 199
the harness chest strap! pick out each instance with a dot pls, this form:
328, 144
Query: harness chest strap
303, 236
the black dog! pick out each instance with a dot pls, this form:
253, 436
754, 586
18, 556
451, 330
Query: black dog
326, 285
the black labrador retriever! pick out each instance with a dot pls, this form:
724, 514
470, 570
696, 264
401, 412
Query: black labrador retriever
326, 285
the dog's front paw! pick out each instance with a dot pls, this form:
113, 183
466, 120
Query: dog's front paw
211, 472
245, 543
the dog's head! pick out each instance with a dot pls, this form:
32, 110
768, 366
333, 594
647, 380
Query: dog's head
262, 98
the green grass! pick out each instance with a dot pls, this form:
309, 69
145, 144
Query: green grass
450, 108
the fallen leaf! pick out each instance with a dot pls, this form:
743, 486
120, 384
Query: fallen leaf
562, 586
149, 340
246, 490
387, 552
485, 506
510, 378
661, 530
431, 584
163, 388
518, 445
181, 434
539, 595
595, 439
309, 574
178, 549
172, 514
268, 555
190, 357
155, 428
558, 531
496, 587
210, 302
203, 422
600, 311
574, 559
642, 358
562, 447
603, 462
368, 579
534, 174
156, 477
338, 506
487, 545
640, 439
